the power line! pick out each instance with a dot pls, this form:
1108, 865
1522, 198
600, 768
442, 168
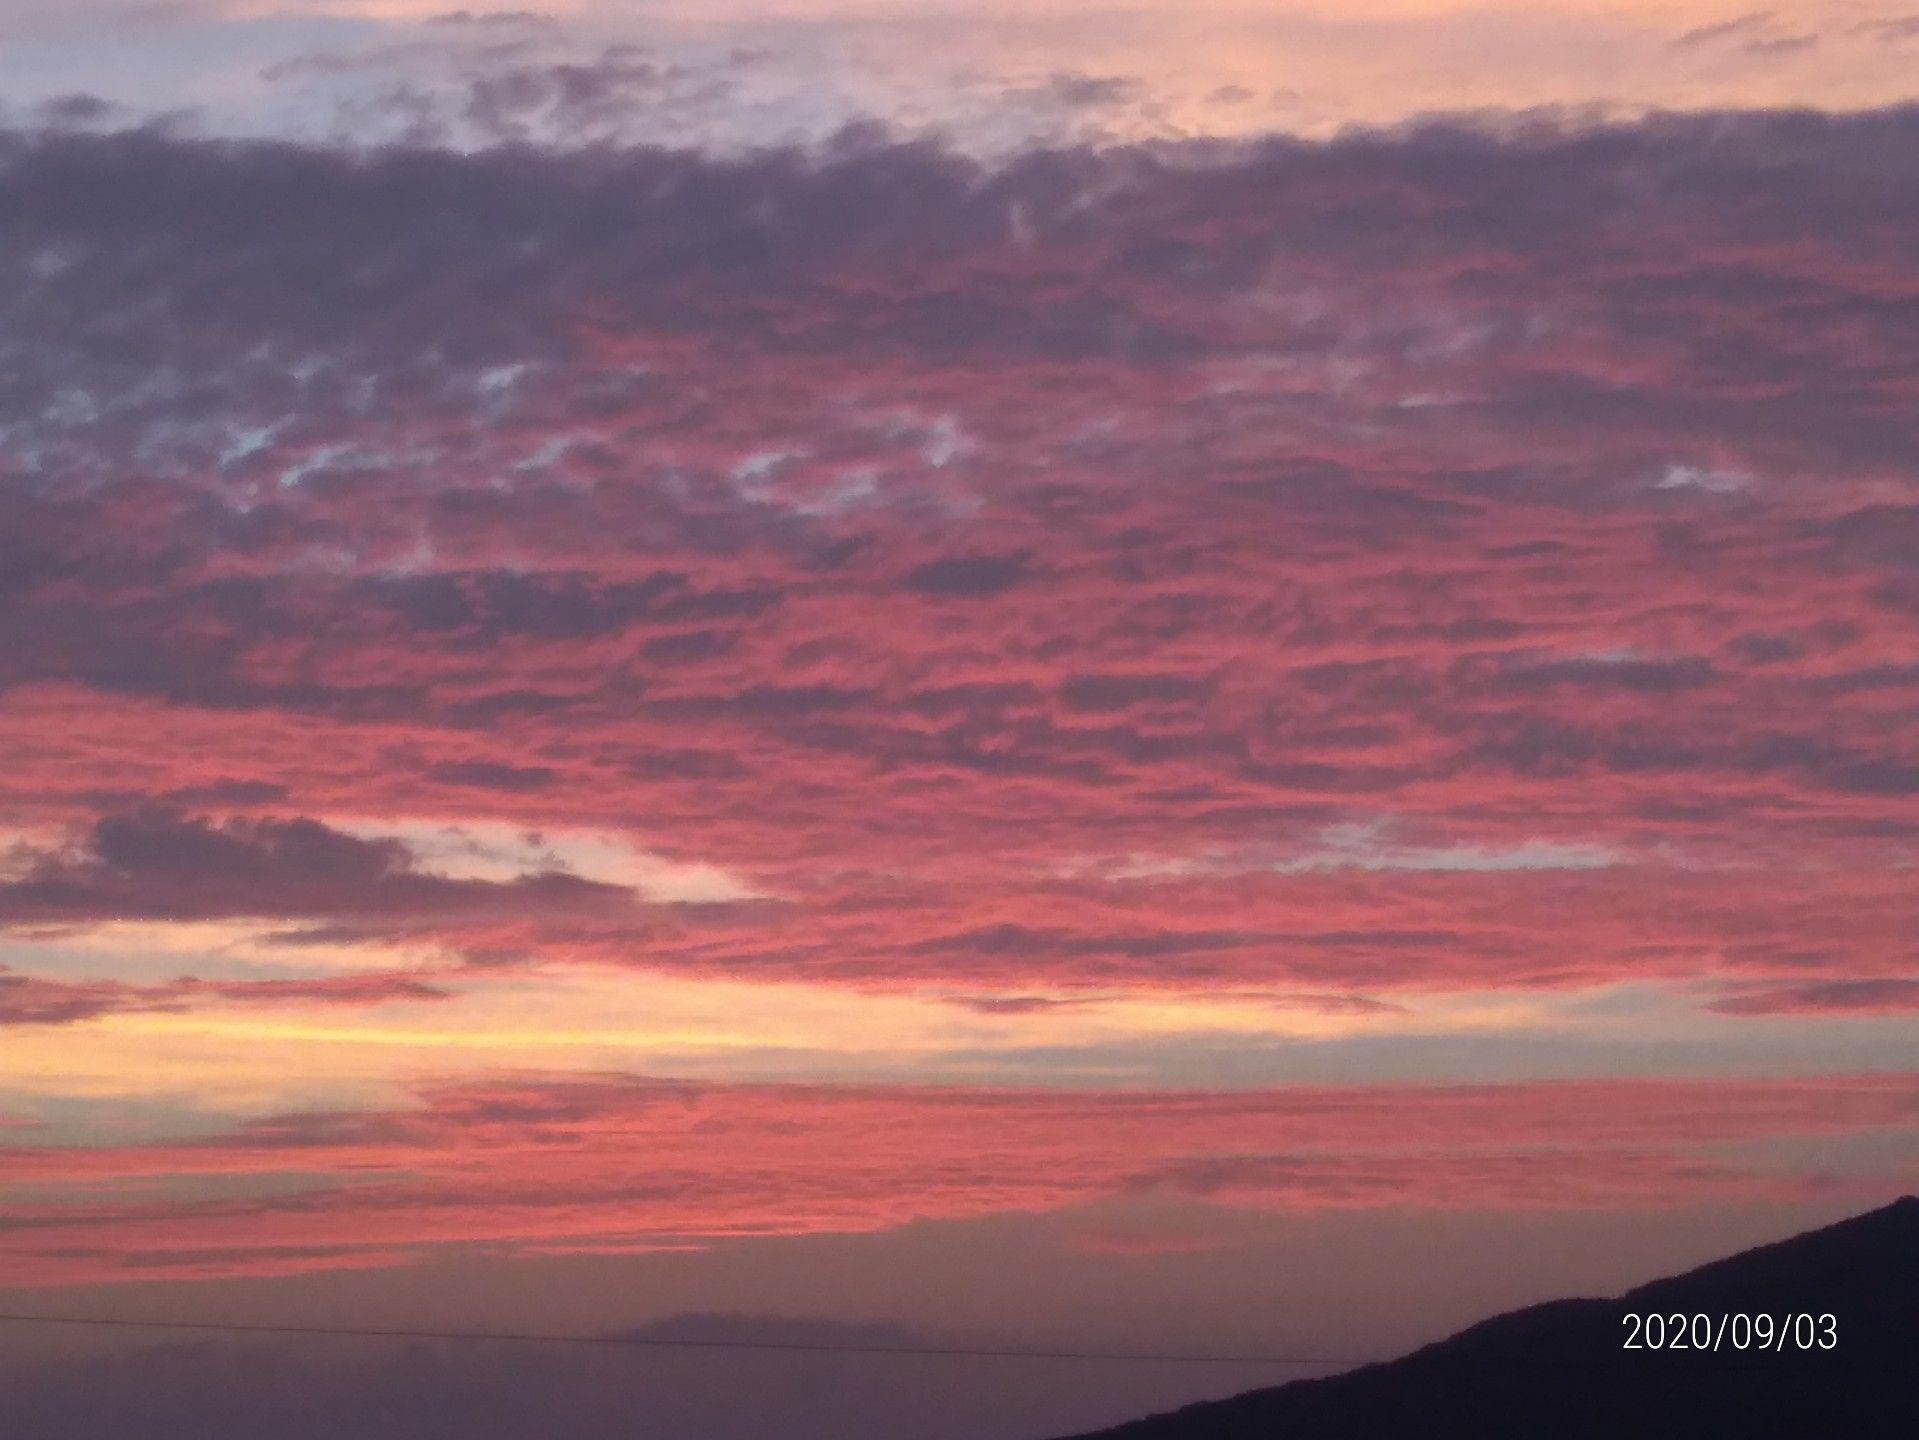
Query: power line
661, 1342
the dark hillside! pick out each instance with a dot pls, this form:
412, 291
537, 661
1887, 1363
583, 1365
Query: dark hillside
1559, 1370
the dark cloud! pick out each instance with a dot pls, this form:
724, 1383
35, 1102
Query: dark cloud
1902, 27
1118, 513
1122, 692
1738, 27
1825, 997
487, 775
1071, 90
1781, 45
29, 1000
1658, 677
159, 865
968, 575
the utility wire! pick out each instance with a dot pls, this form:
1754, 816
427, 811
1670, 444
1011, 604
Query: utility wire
661, 1342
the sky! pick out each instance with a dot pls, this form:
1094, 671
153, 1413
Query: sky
1215, 678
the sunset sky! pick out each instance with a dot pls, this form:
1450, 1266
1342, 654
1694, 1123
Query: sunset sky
1220, 676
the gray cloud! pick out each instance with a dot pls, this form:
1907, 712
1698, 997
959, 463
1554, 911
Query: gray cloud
156, 865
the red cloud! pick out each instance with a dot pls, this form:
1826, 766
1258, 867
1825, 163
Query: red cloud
530, 1165
1025, 583
36, 1000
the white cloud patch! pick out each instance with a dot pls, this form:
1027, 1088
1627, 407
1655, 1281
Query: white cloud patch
1358, 846
1703, 477
499, 851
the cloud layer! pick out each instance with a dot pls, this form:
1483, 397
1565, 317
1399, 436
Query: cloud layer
1404, 576
1460, 557
988, 78
623, 1164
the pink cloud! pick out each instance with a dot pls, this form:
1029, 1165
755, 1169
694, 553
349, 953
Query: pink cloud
39, 1000
1019, 576
621, 1162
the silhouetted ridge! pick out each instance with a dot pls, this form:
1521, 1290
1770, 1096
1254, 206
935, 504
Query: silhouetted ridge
1559, 1370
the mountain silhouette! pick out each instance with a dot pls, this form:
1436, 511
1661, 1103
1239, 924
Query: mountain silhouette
1558, 1370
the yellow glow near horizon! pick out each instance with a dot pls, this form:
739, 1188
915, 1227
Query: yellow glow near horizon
225, 1057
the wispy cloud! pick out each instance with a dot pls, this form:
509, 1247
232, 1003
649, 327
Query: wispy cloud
619, 1163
